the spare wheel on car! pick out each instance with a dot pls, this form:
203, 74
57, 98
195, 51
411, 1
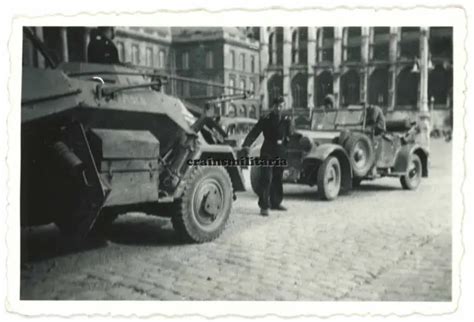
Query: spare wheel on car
361, 153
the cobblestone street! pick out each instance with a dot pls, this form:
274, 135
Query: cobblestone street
377, 243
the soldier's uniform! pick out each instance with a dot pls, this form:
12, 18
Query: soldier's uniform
276, 131
375, 119
102, 50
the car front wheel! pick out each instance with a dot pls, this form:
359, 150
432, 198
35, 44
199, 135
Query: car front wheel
329, 178
412, 179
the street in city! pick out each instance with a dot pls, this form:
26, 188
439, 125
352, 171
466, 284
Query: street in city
378, 242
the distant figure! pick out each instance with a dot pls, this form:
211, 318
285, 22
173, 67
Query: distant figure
375, 119
102, 49
328, 102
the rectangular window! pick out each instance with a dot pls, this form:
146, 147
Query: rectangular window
252, 64
231, 86
135, 55
161, 57
186, 89
185, 60
242, 84
121, 51
149, 57
242, 61
209, 59
252, 87
232, 59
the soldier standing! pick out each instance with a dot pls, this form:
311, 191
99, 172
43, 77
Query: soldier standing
101, 48
276, 131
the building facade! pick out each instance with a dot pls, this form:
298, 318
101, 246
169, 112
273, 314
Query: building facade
222, 55
405, 70
377, 65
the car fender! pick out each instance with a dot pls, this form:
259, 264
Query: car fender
317, 156
403, 158
223, 152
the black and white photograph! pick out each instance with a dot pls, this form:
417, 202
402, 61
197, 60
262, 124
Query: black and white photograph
359, 209
278, 164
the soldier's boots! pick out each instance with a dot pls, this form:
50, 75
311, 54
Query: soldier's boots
280, 208
264, 212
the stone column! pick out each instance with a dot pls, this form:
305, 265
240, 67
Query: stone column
263, 65
365, 47
337, 65
64, 44
39, 58
424, 114
312, 32
393, 56
286, 66
87, 39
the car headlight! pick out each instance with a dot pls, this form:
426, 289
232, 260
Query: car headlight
305, 144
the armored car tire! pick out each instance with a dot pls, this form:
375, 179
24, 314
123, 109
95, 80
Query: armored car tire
255, 173
361, 154
200, 215
329, 178
412, 179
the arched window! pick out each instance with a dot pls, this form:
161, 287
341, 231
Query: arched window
232, 112
294, 47
378, 87
299, 46
272, 49
324, 86
325, 43
352, 44
253, 112
243, 111
350, 88
299, 91
407, 88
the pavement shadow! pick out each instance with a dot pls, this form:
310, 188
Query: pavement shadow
144, 230
375, 187
46, 242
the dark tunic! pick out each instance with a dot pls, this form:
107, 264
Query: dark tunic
102, 50
375, 119
276, 134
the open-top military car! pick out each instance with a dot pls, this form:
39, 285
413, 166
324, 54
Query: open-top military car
339, 151
101, 140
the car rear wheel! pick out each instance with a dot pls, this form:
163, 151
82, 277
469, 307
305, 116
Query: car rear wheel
361, 154
329, 178
412, 179
202, 212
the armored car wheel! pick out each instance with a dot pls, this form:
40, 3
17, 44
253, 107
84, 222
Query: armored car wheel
255, 173
412, 179
329, 178
361, 154
203, 210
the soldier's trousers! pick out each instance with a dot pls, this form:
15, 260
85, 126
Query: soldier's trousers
271, 187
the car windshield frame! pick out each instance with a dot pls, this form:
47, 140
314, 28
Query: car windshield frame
336, 119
